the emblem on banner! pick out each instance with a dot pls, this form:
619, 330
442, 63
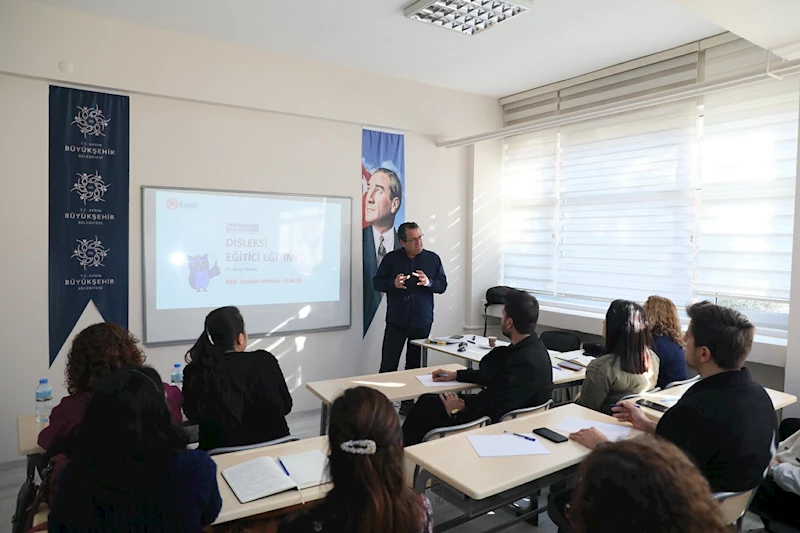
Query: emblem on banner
90, 121
90, 187
90, 253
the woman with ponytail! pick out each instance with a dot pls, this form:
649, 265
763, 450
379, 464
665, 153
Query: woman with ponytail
366, 464
237, 397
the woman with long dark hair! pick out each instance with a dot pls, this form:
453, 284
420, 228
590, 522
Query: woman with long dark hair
367, 467
629, 366
237, 397
130, 469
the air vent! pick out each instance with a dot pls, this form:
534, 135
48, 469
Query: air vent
469, 17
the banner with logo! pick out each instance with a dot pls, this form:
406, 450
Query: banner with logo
89, 206
382, 206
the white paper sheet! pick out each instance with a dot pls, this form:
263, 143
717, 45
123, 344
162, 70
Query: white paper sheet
559, 372
669, 401
307, 469
506, 445
427, 380
613, 432
257, 479
582, 360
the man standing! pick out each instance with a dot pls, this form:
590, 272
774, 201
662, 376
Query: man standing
384, 197
515, 376
725, 422
409, 277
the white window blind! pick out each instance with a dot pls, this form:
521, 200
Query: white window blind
529, 214
625, 219
748, 170
690, 200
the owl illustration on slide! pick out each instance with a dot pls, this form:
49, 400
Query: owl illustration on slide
199, 272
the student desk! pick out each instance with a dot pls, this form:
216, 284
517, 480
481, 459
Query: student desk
477, 485
397, 386
233, 510
779, 399
27, 436
474, 354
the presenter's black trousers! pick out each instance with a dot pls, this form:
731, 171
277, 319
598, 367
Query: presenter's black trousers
393, 340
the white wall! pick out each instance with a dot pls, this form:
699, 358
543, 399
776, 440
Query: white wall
792, 369
206, 114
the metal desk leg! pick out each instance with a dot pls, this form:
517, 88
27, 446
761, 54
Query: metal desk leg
469, 364
323, 419
424, 356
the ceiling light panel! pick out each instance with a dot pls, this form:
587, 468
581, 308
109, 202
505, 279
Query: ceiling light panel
469, 17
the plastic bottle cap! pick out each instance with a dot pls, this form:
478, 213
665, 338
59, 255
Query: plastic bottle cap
177, 365
42, 381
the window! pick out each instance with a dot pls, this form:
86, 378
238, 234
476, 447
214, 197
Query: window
690, 200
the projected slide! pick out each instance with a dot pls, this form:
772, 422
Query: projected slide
214, 250
284, 260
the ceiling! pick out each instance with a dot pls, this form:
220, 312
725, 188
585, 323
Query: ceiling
556, 40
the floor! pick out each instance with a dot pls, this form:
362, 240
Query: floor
306, 425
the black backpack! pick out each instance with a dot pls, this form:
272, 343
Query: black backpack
494, 295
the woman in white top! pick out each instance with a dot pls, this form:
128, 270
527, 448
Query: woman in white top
778, 496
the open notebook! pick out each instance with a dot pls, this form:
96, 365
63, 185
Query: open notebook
266, 476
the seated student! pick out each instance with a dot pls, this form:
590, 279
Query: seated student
95, 352
644, 485
130, 470
515, 376
367, 467
237, 397
665, 328
629, 366
778, 496
725, 422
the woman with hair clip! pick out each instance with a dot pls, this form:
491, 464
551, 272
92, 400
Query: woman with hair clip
130, 470
629, 366
367, 467
665, 327
237, 397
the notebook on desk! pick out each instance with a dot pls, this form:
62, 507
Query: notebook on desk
266, 476
582, 360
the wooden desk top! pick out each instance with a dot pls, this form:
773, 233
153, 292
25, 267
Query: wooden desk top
233, 510
28, 435
454, 460
474, 353
779, 399
397, 386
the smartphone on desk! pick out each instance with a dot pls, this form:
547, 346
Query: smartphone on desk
570, 366
652, 405
550, 435
456, 337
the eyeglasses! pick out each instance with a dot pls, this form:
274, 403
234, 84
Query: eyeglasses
415, 240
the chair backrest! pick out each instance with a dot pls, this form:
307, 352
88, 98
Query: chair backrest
517, 413
560, 341
439, 433
734, 504
229, 449
682, 382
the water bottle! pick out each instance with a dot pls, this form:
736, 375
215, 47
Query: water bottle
44, 401
177, 375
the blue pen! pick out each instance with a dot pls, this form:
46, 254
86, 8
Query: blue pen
282, 466
521, 436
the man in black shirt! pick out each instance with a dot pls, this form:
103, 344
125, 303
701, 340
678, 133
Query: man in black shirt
409, 276
726, 422
515, 376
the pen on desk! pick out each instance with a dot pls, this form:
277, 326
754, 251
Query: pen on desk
520, 436
471, 342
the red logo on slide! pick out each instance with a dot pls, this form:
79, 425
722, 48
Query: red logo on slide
172, 203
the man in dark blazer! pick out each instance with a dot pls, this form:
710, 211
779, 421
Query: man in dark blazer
384, 196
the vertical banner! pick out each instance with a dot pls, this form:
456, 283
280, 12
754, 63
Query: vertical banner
89, 209
382, 206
